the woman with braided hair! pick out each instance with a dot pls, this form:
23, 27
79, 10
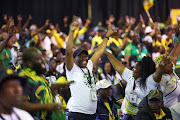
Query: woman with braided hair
143, 78
147, 68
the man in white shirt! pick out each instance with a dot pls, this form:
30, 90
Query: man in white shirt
11, 96
83, 102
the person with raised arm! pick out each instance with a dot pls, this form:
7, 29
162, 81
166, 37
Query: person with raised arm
83, 102
143, 78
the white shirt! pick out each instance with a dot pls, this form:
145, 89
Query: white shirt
138, 92
14, 55
148, 39
170, 86
175, 111
46, 44
59, 68
81, 100
22, 114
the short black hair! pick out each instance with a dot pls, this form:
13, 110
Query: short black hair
29, 54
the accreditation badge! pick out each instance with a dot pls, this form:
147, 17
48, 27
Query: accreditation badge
133, 98
93, 95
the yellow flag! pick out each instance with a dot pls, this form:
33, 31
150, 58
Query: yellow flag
147, 4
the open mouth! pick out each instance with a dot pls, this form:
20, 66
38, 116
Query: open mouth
84, 62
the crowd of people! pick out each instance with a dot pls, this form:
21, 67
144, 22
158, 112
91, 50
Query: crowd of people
123, 69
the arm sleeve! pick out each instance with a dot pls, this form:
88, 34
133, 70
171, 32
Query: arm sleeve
58, 39
127, 74
150, 83
82, 31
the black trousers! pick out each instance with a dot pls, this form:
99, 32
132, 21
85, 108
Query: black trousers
80, 116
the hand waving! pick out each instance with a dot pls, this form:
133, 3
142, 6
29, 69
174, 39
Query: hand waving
110, 31
74, 23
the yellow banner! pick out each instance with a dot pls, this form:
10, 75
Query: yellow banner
147, 4
175, 14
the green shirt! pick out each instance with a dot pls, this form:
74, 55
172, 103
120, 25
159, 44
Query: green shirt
131, 50
178, 63
37, 90
6, 56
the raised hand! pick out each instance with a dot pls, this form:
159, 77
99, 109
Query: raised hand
11, 30
110, 31
19, 18
127, 19
5, 17
88, 21
51, 26
47, 22
74, 23
65, 19
132, 20
141, 19
111, 18
30, 17
165, 62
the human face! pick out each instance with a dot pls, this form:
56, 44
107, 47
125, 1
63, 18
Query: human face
136, 70
53, 65
106, 93
82, 60
11, 93
107, 68
155, 105
59, 56
38, 63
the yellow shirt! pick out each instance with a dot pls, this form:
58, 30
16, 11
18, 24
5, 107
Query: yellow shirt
165, 43
78, 32
96, 39
161, 115
60, 41
118, 42
156, 43
111, 115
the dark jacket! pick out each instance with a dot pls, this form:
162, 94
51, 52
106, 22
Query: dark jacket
102, 110
145, 113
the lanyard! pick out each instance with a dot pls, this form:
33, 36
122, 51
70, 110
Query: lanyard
89, 76
134, 85
11, 118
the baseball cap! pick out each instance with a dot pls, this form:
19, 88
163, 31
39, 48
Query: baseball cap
148, 29
79, 51
9, 73
48, 31
155, 94
102, 84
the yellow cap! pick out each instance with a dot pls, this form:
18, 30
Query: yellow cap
62, 79
48, 31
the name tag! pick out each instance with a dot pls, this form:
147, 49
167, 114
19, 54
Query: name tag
133, 98
93, 95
